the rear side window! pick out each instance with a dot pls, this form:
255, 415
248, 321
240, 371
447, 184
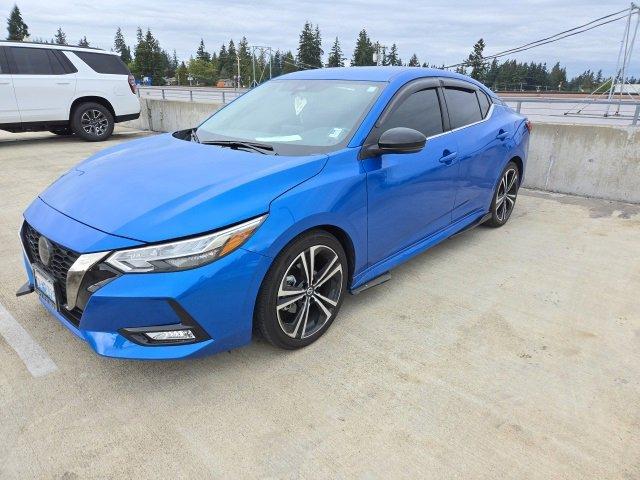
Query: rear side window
3, 62
420, 111
484, 103
463, 107
103, 63
35, 61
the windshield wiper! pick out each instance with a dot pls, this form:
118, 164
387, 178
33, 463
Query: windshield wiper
235, 144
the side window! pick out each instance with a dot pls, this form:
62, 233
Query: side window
3, 62
420, 111
103, 63
35, 61
463, 107
484, 103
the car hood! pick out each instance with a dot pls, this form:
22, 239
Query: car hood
161, 188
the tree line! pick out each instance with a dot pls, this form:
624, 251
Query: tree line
239, 64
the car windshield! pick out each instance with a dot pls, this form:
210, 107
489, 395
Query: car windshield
295, 117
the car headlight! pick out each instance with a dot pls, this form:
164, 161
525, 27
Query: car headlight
184, 254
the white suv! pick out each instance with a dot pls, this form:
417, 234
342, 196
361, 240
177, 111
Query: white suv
64, 90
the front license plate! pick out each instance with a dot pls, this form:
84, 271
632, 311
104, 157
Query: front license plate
45, 287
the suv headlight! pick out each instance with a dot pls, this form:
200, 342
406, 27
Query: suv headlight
184, 254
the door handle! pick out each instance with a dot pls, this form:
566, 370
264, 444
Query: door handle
502, 135
63, 83
448, 157
4, 83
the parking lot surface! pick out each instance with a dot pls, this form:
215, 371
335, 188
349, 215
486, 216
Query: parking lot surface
501, 353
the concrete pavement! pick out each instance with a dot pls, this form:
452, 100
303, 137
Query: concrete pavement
502, 353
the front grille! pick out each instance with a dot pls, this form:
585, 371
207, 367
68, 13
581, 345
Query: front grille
61, 259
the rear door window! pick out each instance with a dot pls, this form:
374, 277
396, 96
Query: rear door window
484, 103
420, 111
103, 63
35, 61
463, 107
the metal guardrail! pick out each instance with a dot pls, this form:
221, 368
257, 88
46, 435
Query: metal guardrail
591, 110
579, 110
191, 94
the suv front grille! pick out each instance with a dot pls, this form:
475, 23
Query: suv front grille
61, 259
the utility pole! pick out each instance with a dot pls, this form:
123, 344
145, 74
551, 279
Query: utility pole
238, 79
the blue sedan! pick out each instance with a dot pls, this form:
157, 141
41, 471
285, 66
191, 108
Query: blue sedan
263, 217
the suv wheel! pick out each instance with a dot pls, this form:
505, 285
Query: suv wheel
92, 121
303, 290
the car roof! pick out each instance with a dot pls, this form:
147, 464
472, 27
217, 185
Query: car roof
53, 46
376, 74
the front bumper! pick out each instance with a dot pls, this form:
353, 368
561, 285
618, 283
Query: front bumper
218, 298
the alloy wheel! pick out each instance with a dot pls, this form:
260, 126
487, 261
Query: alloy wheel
309, 292
506, 194
94, 122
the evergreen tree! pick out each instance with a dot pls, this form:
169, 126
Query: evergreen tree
476, 61
363, 53
413, 61
181, 74
150, 59
276, 64
174, 63
310, 47
223, 59
16, 27
60, 37
288, 63
336, 58
246, 65
232, 59
83, 42
392, 59
121, 47
202, 53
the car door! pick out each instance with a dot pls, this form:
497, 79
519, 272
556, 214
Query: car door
43, 88
410, 196
8, 105
481, 146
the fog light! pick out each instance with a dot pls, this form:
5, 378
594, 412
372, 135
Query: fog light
169, 335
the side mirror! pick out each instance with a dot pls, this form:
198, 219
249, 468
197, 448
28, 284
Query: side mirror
401, 140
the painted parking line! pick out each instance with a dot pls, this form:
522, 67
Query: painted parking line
30, 352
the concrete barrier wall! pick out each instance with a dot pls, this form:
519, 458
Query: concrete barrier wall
587, 160
592, 161
169, 116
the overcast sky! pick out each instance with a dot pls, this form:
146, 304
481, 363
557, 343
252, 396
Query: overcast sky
438, 31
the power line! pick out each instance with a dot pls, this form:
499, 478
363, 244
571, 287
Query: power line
553, 38
625, 11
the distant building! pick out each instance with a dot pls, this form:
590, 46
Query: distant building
225, 83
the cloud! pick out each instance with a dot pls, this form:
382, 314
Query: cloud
438, 31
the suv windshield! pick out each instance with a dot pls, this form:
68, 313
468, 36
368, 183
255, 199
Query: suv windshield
295, 117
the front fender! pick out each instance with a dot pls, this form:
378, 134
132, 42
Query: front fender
336, 197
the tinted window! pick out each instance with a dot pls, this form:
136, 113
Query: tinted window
484, 103
103, 63
3, 63
35, 61
420, 111
463, 107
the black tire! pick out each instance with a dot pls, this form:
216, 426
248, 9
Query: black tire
288, 327
92, 121
62, 131
503, 202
